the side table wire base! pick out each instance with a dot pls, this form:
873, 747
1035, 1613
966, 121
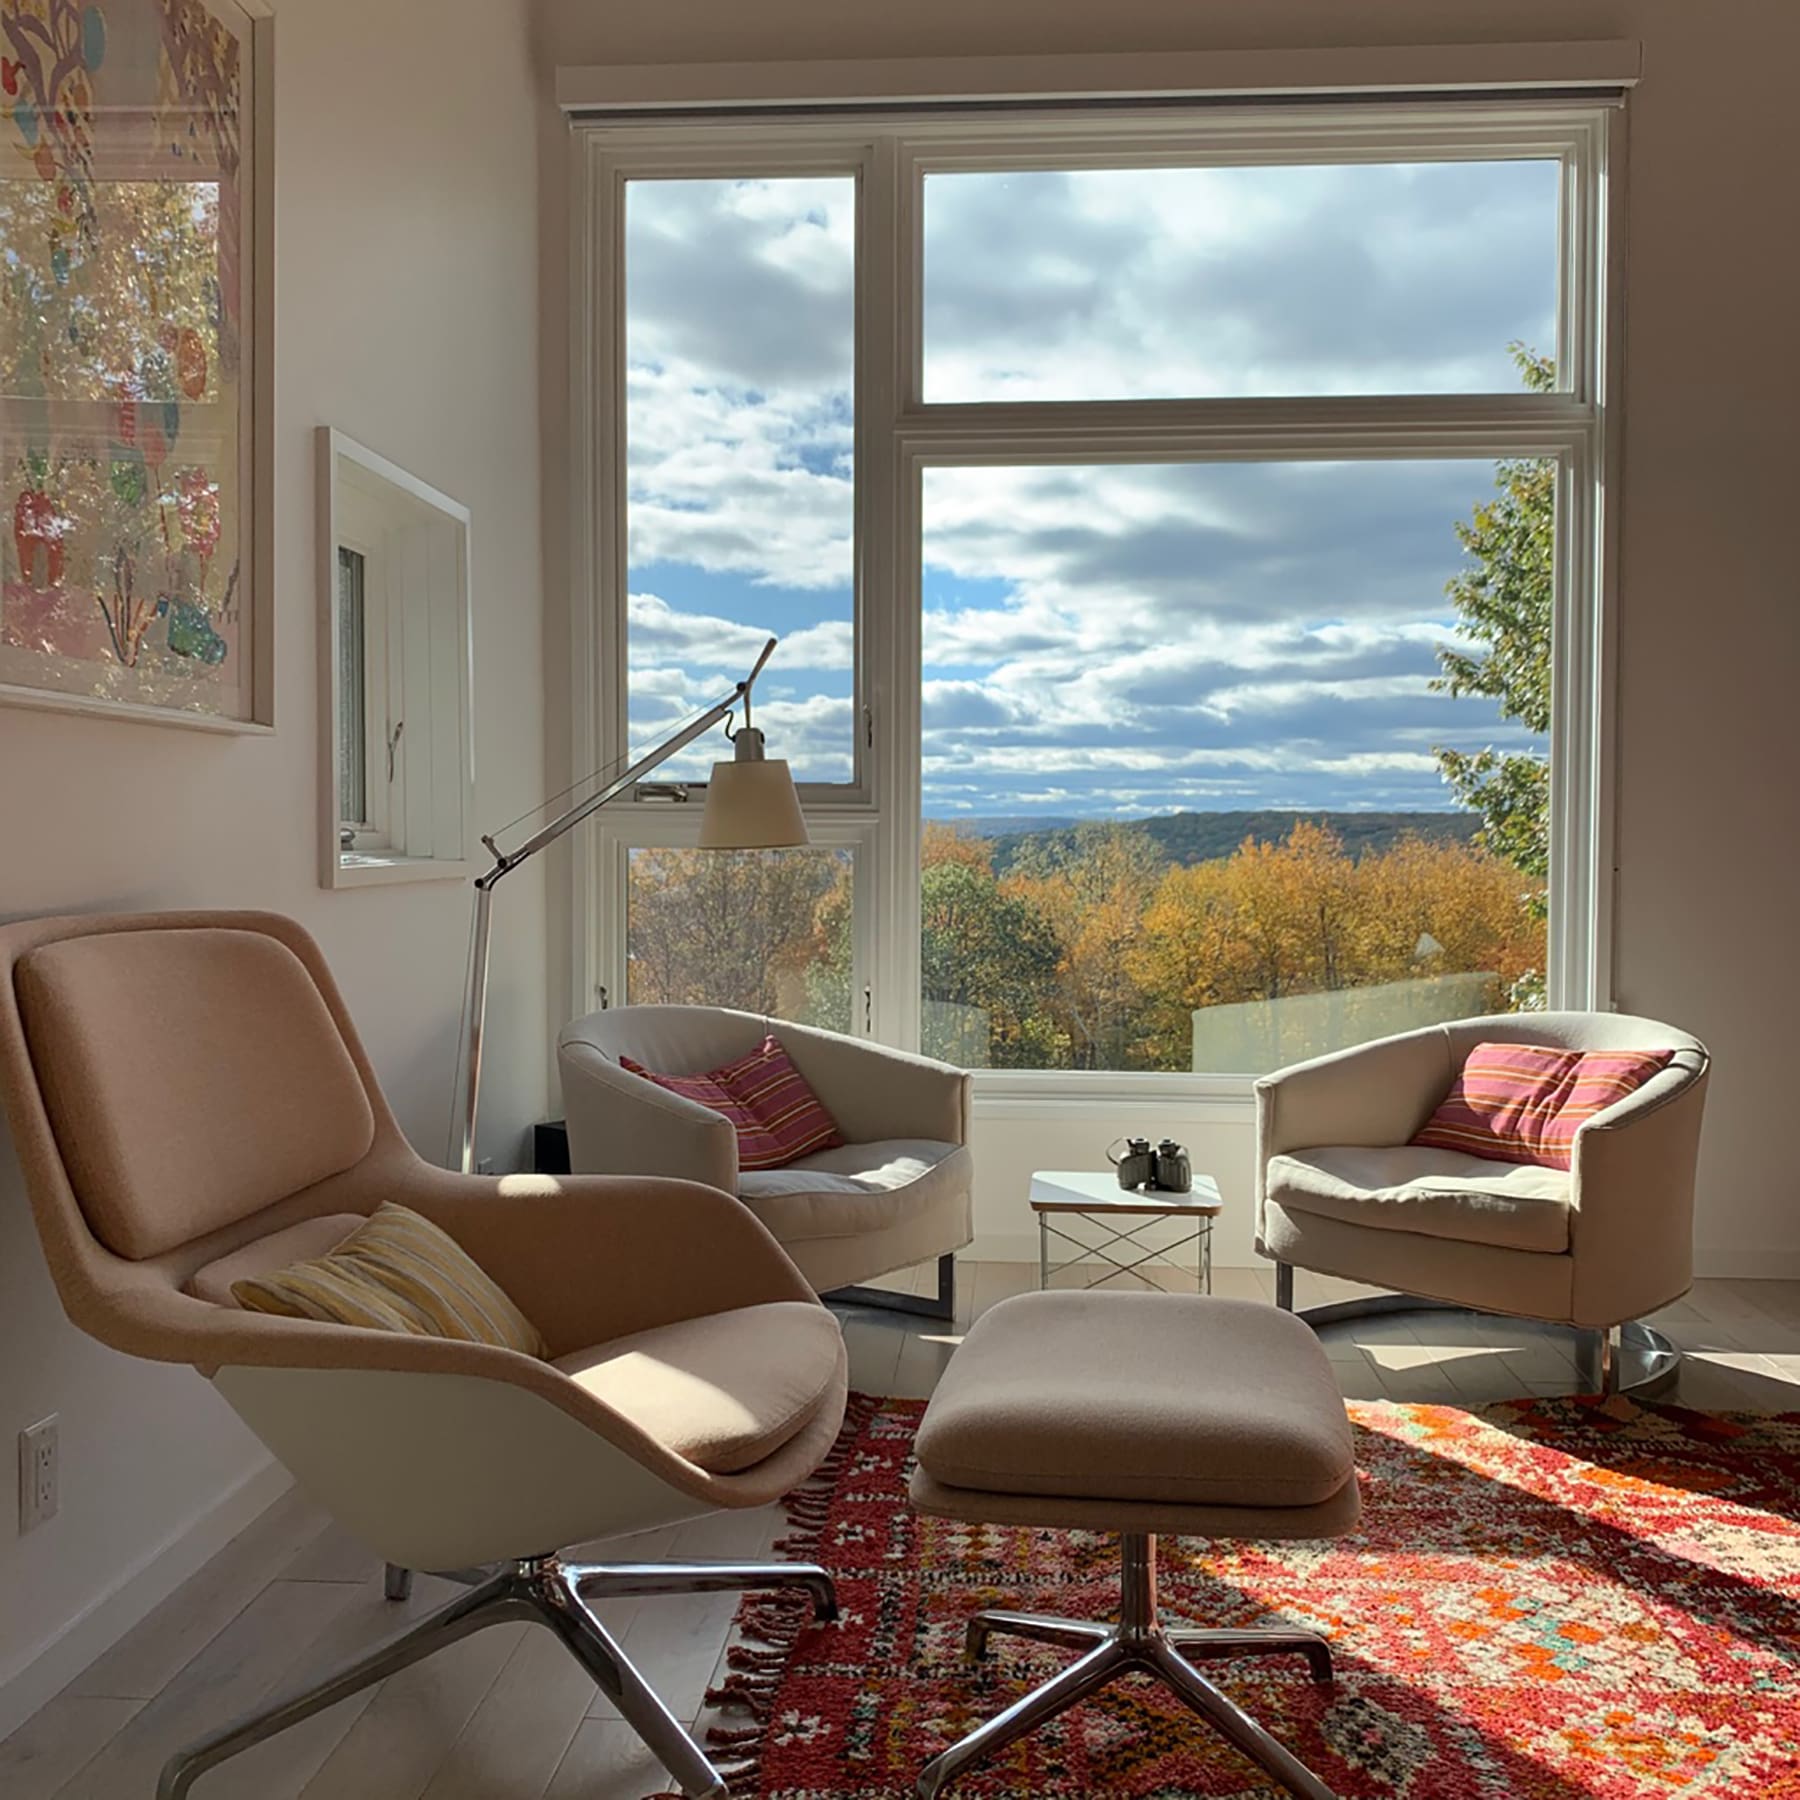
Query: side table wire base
1126, 1241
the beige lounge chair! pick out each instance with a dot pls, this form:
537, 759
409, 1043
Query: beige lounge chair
190, 1104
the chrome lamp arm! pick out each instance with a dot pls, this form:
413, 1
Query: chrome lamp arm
505, 861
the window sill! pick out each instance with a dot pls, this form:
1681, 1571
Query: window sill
1020, 1093
375, 868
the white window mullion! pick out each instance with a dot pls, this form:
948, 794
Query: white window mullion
1579, 717
1607, 254
1283, 430
897, 1014
887, 885
596, 553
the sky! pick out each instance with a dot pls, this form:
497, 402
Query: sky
1110, 640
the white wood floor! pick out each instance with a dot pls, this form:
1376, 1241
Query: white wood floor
507, 1716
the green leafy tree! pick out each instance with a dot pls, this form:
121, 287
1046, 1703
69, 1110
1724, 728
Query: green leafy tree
1504, 601
991, 954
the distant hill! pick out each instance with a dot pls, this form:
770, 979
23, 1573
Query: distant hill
1196, 837
1009, 824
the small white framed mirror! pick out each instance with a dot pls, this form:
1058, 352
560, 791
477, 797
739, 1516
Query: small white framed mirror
397, 782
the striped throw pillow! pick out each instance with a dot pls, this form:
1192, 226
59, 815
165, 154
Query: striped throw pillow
397, 1272
1523, 1103
777, 1117
755, 1146
789, 1112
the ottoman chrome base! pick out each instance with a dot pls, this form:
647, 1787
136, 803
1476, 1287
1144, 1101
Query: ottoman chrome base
1141, 1642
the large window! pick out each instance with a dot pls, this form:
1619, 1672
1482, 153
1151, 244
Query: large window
1184, 537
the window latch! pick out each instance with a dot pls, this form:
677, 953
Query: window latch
393, 746
665, 792
868, 1012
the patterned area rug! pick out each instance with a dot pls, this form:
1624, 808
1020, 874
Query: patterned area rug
1547, 1600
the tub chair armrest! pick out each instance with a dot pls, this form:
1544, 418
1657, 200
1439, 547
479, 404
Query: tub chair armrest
623, 1124
874, 1092
1631, 1231
1376, 1094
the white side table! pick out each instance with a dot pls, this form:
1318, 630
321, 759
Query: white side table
1061, 1196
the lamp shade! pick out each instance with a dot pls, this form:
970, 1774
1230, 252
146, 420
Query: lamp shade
751, 805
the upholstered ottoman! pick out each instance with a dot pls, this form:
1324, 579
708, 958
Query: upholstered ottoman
1140, 1414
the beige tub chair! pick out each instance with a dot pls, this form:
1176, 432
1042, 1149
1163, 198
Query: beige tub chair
896, 1194
1342, 1190
190, 1103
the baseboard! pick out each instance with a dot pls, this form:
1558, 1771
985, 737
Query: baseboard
44, 1672
1022, 1247
1747, 1265
1713, 1265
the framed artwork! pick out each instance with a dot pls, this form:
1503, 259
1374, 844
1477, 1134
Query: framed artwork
135, 300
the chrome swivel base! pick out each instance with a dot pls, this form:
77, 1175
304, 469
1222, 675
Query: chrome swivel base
543, 1590
1633, 1358
1138, 1642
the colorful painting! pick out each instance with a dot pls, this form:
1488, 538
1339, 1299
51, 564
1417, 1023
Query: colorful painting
125, 352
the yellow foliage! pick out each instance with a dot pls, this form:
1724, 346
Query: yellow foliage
945, 844
1301, 917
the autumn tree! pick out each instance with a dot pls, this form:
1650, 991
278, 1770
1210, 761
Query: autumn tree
1504, 600
1092, 887
728, 928
830, 1000
1301, 917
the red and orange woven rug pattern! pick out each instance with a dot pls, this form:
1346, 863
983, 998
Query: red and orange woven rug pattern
1546, 1600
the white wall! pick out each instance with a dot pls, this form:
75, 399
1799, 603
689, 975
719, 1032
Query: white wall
1708, 854
1012, 1138
406, 196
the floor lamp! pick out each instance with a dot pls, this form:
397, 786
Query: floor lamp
750, 805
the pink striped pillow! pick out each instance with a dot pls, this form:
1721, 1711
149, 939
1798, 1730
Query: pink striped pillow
775, 1093
778, 1118
755, 1145
1523, 1103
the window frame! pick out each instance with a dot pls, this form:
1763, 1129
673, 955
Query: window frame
897, 434
369, 833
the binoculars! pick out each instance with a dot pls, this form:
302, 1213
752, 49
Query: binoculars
1167, 1169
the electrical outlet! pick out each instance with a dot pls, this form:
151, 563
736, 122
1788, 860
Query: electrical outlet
40, 1474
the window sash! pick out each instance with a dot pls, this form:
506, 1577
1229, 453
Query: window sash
675, 825
353, 689
898, 434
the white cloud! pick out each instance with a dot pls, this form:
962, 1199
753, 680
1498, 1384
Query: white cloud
657, 631
1233, 281
1123, 638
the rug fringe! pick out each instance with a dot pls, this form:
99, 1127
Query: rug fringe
770, 1623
